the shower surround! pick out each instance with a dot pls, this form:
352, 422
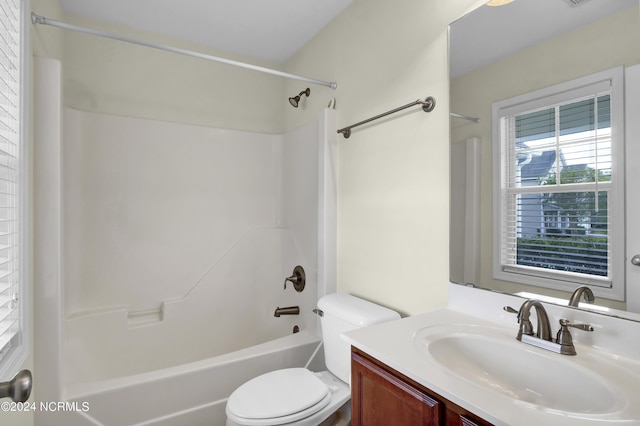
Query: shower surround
174, 244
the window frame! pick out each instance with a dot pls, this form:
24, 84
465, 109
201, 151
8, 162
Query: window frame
565, 92
17, 355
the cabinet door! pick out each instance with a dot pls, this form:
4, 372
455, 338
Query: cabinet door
379, 398
457, 416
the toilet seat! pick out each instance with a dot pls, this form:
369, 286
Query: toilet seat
278, 397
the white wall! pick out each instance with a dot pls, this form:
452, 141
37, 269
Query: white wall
171, 227
141, 197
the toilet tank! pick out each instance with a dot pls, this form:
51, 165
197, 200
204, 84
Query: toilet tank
341, 313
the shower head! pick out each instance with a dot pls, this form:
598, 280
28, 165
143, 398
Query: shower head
296, 99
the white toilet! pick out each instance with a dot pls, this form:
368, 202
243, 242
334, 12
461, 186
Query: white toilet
297, 396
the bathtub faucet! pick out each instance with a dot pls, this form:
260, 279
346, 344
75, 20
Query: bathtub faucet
289, 310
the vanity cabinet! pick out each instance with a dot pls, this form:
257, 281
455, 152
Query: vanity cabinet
380, 396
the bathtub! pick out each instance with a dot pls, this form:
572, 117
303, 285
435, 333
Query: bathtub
152, 312
191, 394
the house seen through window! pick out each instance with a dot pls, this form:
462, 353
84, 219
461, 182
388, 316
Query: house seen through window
558, 171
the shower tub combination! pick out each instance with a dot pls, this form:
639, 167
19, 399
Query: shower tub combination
170, 246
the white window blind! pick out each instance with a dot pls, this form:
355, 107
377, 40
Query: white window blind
556, 189
10, 174
560, 174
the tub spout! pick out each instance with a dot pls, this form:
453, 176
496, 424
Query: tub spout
289, 310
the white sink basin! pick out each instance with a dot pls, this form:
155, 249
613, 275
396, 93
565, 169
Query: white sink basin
495, 360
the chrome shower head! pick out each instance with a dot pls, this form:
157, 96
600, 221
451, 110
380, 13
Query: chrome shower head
295, 100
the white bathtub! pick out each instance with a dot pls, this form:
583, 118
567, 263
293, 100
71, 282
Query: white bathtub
159, 258
191, 394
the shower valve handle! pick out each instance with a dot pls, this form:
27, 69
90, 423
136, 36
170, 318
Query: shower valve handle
292, 279
298, 279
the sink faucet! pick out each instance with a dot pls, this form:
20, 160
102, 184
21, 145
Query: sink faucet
580, 291
562, 344
543, 330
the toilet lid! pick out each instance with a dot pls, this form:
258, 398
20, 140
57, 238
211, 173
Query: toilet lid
292, 392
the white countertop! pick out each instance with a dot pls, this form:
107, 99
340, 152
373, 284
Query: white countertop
393, 344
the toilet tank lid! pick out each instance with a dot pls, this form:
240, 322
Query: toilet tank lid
354, 310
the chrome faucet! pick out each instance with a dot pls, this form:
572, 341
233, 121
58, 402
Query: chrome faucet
543, 331
562, 344
580, 291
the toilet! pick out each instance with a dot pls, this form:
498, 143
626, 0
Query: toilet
298, 396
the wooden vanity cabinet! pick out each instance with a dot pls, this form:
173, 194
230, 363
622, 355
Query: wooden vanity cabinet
380, 396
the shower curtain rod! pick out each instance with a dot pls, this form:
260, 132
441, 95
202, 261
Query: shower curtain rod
427, 106
465, 117
38, 19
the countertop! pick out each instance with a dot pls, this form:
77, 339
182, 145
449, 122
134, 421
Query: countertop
393, 344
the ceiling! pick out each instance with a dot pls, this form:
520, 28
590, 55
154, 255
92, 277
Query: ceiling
490, 33
272, 30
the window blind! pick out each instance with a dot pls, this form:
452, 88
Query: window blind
557, 177
10, 92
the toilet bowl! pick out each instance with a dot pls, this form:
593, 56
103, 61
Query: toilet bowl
298, 396
292, 396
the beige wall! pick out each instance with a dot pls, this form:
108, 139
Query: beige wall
616, 41
393, 175
393, 197
102, 75
393, 189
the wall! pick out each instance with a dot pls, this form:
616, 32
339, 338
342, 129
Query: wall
171, 227
108, 76
393, 196
46, 41
617, 41
50, 46
102, 75
393, 202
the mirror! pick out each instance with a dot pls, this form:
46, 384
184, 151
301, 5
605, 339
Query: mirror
497, 53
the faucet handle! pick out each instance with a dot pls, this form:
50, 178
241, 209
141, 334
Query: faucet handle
525, 325
564, 339
585, 327
510, 310
298, 279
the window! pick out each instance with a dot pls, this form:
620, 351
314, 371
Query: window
13, 280
558, 186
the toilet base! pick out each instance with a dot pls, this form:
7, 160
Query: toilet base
342, 417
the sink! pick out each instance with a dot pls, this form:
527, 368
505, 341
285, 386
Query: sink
493, 359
